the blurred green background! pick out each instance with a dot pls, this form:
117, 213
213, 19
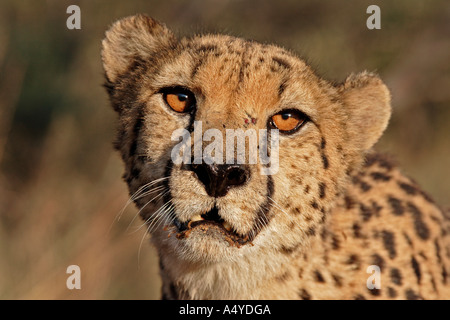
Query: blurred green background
60, 180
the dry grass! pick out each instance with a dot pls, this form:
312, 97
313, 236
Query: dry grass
60, 186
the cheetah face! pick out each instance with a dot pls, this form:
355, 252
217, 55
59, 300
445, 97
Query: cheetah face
215, 210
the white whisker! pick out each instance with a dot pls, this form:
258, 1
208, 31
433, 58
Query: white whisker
151, 200
148, 230
136, 195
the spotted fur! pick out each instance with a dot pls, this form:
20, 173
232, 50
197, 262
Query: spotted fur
334, 208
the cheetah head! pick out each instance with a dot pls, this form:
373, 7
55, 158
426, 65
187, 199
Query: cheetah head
215, 210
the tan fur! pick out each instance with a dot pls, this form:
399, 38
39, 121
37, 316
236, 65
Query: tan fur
335, 207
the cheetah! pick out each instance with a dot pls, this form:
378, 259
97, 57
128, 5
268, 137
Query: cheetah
333, 214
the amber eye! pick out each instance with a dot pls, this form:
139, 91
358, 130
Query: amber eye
179, 99
288, 121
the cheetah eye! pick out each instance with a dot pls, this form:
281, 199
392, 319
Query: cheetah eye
288, 121
179, 99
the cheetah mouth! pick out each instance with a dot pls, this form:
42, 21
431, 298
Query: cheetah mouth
211, 221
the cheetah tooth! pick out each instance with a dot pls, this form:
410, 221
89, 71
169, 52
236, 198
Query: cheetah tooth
226, 225
196, 218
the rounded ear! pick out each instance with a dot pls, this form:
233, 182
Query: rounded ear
368, 105
132, 38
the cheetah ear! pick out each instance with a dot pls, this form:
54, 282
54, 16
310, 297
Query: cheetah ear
132, 38
368, 104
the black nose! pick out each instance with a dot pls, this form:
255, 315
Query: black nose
218, 179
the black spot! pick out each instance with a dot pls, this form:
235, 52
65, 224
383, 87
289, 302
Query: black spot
324, 214
426, 196
376, 208
335, 242
324, 234
396, 205
421, 228
283, 277
444, 274
438, 250
416, 267
423, 255
337, 280
365, 186
207, 47
408, 239
382, 160
349, 202
244, 67
389, 243
378, 261
306, 191
365, 212
314, 205
304, 295
323, 143
392, 292
318, 277
375, 292
362, 184
353, 259
380, 176
325, 161
281, 62
433, 284
282, 87
411, 295
396, 276
290, 250
408, 188
311, 231
356, 230
359, 297
196, 67
322, 187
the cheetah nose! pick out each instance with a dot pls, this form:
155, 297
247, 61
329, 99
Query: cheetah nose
218, 179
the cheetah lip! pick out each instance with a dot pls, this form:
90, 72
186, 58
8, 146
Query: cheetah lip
207, 221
